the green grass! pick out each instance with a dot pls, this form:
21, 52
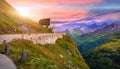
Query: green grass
47, 56
89, 42
105, 56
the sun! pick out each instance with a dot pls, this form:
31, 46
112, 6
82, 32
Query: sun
23, 12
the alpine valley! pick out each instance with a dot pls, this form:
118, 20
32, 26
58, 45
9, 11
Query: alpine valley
100, 48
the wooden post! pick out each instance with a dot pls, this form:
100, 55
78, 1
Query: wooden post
24, 56
7, 49
4, 41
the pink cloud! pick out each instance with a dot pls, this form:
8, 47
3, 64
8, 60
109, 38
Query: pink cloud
64, 14
56, 14
55, 1
38, 11
112, 16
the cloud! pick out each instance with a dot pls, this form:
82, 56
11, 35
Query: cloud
101, 15
56, 14
94, 16
111, 1
71, 13
52, 10
54, 2
99, 12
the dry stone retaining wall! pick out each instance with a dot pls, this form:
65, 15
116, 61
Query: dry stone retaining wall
48, 38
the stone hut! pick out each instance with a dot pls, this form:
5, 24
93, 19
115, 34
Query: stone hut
45, 22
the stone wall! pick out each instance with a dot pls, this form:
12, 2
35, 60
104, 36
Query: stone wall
49, 38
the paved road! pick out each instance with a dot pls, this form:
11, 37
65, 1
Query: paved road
6, 63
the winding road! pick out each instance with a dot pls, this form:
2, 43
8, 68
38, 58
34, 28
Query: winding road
6, 63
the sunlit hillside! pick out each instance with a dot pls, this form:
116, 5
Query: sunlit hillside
62, 55
12, 22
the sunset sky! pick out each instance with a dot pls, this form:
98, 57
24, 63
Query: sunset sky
66, 12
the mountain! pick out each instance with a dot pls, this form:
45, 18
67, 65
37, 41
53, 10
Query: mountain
74, 32
96, 26
109, 29
105, 56
84, 29
62, 55
89, 41
12, 22
90, 25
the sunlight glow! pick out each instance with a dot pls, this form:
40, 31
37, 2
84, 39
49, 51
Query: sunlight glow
23, 12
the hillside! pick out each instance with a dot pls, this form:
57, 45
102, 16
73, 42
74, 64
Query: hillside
62, 55
12, 22
89, 41
105, 56
86, 43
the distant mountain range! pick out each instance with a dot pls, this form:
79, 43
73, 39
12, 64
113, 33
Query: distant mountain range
109, 29
87, 39
84, 29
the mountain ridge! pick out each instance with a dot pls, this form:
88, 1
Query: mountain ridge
90, 40
109, 29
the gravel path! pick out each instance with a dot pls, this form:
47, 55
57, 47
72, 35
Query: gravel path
6, 63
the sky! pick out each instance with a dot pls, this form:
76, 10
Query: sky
69, 12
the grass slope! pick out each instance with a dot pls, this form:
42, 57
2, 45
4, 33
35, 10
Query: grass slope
12, 22
62, 55
86, 43
105, 56
92, 40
